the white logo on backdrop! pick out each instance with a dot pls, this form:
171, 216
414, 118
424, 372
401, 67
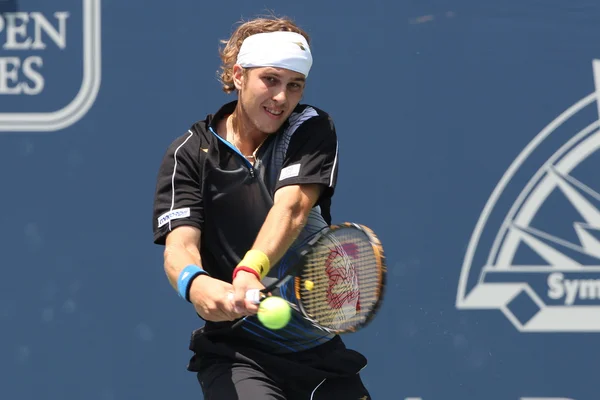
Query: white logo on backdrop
34, 32
560, 291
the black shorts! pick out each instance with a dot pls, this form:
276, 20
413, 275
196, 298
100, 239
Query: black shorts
230, 370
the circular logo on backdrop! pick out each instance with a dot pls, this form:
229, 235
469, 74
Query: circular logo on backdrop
535, 251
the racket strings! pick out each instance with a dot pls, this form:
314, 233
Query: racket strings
340, 284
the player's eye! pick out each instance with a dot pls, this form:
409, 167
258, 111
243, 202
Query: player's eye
271, 80
295, 86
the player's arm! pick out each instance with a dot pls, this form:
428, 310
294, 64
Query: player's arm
181, 250
208, 295
309, 172
288, 216
178, 217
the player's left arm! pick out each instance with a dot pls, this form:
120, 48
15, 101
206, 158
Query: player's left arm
286, 219
283, 224
309, 173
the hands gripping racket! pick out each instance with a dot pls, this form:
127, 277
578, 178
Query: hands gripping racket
339, 280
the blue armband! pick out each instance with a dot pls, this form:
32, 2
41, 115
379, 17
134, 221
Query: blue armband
187, 275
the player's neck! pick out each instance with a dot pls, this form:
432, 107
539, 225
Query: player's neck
242, 133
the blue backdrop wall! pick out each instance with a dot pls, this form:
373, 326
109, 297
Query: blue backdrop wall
468, 136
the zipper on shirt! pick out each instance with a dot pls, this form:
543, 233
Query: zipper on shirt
235, 149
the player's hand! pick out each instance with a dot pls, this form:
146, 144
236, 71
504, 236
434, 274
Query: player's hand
210, 299
243, 282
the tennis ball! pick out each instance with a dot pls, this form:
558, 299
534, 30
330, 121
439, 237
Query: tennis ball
309, 285
274, 312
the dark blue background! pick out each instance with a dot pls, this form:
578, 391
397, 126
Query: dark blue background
432, 100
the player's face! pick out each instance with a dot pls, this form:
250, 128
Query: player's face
269, 95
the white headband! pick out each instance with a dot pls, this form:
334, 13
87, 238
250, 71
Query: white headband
287, 50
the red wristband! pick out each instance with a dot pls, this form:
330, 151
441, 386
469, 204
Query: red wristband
246, 269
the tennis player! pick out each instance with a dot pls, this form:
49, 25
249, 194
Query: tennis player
237, 196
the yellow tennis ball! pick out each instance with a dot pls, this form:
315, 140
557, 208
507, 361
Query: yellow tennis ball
309, 285
274, 312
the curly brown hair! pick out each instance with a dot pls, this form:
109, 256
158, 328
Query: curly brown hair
229, 52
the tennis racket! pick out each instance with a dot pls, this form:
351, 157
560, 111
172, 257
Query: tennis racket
339, 280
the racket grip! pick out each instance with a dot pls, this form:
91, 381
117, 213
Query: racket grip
254, 295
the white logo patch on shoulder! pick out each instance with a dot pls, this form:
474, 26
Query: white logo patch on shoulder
173, 214
289, 172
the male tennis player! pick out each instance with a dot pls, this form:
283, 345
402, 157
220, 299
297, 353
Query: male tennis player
236, 197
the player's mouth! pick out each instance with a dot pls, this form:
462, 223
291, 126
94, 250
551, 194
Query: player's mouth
273, 112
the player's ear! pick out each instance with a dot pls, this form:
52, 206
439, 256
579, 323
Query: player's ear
238, 76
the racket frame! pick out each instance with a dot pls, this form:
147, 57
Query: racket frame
377, 248
293, 273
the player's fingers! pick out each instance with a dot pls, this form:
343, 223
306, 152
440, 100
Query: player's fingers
236, 309
252, 300
212, 313
251, 307
230, 315
240, 300
231, 307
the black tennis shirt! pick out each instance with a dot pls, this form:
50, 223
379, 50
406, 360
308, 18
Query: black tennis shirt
203, 181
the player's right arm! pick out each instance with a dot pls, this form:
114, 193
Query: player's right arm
208, 295
178, 217
181, 250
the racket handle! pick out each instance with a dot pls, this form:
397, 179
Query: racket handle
253, 295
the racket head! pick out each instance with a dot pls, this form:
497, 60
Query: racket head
296, 262
341, 284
